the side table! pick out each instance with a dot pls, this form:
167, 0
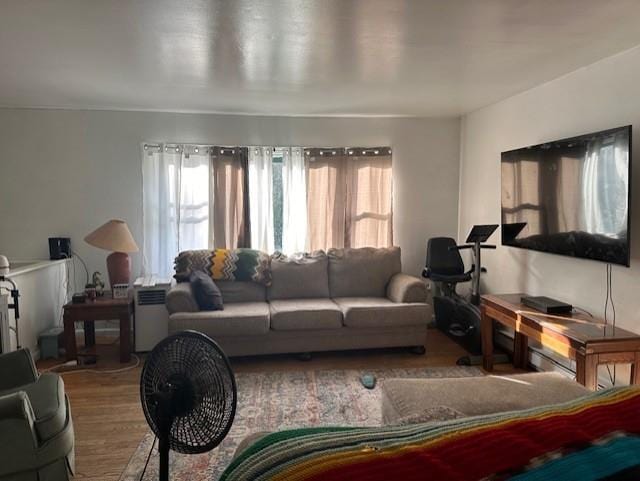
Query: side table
102, 309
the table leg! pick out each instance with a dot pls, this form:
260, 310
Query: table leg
89, 334
125, 338
587, 370
486, 332
635, 369
70, 338
520, 350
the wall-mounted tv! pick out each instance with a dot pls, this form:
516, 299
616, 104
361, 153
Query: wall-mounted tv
570, 196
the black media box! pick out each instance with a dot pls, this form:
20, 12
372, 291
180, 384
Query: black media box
546, 304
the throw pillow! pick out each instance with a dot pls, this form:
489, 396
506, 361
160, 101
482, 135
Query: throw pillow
207, 294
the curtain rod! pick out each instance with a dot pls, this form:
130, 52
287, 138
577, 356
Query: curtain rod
323, 151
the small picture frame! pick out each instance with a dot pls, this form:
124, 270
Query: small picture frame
120, 291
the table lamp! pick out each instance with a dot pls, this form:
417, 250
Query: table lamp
115, 236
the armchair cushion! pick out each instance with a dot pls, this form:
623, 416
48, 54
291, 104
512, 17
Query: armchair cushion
17, 369
406, 288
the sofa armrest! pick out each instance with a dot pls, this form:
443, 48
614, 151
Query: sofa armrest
406, 288
180, 298
17, 369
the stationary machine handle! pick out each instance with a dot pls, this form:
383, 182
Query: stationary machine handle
471, 246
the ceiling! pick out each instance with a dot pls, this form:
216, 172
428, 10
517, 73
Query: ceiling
299, 57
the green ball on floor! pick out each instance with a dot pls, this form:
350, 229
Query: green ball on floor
368, 381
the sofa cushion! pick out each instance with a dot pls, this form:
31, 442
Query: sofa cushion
381, 312
363, 272
299, 314
237, 319
237, 291
47, 401
207, 294
299, 277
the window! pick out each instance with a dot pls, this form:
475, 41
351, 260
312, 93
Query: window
288, 199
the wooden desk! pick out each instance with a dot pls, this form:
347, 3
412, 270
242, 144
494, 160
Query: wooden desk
577, 336
102, 309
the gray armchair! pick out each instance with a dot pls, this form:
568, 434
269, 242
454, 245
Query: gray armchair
36, 431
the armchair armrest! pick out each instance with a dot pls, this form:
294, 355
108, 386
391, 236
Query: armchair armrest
406, 288
180, 298
18, 436
17, 369
16, 405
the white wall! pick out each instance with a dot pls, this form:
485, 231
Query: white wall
603, 95
42, 295
63, 173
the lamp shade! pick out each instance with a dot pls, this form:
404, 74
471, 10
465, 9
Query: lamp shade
113, 236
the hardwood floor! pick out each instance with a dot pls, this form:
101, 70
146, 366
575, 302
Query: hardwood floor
109, 422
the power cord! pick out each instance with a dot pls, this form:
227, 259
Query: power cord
155, 438
75, 254
582, 310
609, 302
94, 371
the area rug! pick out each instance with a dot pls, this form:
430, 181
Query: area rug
284, 400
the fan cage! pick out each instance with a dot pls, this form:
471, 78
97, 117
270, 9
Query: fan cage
196, 359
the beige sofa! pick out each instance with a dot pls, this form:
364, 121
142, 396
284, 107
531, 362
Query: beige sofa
345, 299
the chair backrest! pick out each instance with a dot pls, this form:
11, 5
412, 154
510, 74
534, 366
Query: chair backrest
443, 258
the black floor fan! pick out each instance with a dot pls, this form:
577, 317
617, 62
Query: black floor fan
188, 395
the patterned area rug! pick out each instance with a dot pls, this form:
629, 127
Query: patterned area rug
283, 400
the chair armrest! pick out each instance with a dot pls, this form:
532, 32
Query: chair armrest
17, 369
180, 298
16, 405
18, 436
406, 288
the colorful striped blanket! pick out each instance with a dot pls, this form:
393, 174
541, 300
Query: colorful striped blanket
246, 265
593, 438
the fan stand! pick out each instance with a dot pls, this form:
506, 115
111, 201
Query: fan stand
165, 420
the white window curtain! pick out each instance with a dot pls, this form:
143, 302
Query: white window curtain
294, 194
175, 204
261, 198
193, 223
160, 187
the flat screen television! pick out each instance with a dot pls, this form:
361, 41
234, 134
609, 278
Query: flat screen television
570, 196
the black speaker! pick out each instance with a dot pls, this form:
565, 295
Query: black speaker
59, 248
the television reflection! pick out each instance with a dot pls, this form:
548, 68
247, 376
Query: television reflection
569, 197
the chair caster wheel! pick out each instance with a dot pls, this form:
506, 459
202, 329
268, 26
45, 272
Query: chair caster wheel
418, 350
304, 356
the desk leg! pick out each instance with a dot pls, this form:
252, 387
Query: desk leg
125, 338
520, 351
587, 370
89, 334
635, 370
70, 338
486, 332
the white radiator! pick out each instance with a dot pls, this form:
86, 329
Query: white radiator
5, 338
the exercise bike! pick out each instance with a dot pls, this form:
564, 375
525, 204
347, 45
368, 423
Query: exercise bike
456, 316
